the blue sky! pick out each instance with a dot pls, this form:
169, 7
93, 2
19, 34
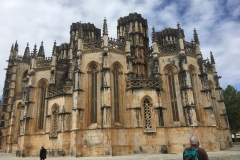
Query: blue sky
217, 23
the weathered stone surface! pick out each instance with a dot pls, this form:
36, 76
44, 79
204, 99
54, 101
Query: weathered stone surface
107, 97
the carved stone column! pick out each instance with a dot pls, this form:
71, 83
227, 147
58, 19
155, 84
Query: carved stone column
77, 108
105, 92
188, 101
206, 100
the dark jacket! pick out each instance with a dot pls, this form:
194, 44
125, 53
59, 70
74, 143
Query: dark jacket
202, 155
43, 153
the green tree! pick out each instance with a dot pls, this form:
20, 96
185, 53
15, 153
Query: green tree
232, 102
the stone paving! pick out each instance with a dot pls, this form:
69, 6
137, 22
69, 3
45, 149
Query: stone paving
228, 154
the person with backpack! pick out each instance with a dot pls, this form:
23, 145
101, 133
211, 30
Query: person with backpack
194, 152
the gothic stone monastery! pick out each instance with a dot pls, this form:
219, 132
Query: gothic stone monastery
100, 96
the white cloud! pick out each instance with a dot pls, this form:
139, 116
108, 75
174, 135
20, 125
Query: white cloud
217, 24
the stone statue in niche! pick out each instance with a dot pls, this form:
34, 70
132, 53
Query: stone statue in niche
188, 116
105, 59
192, 114
208, 96
190, 97
212, 116
129, 63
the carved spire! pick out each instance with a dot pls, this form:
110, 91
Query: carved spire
26, 52
11, 52
12, 48
179, 30
41, 52
105, 27
154, 36
54, 48
16, 47
212, 58
35, 50
195, 36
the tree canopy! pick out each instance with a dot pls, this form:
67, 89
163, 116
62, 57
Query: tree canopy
232, 102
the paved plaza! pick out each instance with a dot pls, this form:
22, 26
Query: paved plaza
228, 154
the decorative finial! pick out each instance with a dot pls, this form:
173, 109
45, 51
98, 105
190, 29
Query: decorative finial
179, 30
195, 36
26, 52
105, 28
16, 46
54, 47
12, 47
154, 37
212, 58
41, 51
153, 29
178, 25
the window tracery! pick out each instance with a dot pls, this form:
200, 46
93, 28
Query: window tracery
147, 114
94, 95
116, 94
173, 96
54, 120
42, 96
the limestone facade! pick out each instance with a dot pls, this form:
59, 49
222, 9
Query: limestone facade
99, 96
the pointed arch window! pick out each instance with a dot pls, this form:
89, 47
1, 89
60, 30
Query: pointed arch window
94, 95
116, 94
173, 96
42, 92
147, 114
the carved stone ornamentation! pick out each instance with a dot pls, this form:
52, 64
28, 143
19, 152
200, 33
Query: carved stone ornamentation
101, 96
204, 81
190, 47
140, 83
169, 48
43, 62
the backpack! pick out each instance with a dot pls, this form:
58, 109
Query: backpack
190, 154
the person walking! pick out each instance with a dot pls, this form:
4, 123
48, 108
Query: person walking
194, 152
43, 153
